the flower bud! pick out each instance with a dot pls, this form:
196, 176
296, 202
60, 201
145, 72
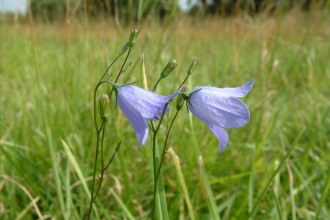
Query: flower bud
123, 49
104, 107
133, 36
169, 68
180, 100
192, 66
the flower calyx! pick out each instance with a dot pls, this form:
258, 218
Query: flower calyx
185, 96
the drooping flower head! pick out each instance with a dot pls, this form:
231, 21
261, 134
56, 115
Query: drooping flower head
140, 105
219, 108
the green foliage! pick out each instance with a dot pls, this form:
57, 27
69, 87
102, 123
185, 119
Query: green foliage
49, 9
128, 11
125, 10
267, 171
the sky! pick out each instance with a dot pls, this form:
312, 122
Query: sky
13, 6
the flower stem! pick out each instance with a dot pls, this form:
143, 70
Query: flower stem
156, 172
159, 191
121, 70
166, 148
155, 86
122, 67
102, 161
94, 174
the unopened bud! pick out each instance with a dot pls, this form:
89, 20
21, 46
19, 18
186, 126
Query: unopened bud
123, 49
169, 68
104, 107
180, 100
192, 66
133, 36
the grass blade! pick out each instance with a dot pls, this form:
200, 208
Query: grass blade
122, 205
251, 214
324, 196
78, 172
176, 162
208, 190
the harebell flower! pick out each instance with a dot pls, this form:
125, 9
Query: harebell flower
219, 108
140, 105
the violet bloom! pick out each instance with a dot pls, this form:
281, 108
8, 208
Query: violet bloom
219, 108
140, 105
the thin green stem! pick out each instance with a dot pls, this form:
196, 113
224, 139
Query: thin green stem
155, 86
155, 170
122, 67
94, 175
184, 80
106, 71
166, 148
98, 131
155, 181
94, 98
121, 70
113, 156
102, 161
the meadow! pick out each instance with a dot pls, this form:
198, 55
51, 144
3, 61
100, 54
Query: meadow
274, 167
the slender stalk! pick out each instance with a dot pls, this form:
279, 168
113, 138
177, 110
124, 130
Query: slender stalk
184, 80
121, 70
113, 156
102, 129
94, 173
104, 167
96, 88
102, 161
168, 132
106, 71
156, 170
165, 148
122, 67
155, 180
155, 86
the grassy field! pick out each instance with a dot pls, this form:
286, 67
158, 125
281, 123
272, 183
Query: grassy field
275, 167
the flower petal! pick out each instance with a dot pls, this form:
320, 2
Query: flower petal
139, 123
235, 92
221, 134
215, 108
149, 104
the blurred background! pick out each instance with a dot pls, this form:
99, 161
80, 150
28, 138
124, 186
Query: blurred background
53, 53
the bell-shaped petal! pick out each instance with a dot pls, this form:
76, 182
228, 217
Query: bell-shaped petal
236, 92
220, 108
221, 134
138, 105
214, 107
139, 123
149, 104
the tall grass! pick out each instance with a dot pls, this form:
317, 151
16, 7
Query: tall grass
275, 167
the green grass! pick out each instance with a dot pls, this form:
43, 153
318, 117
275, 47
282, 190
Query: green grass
276, 166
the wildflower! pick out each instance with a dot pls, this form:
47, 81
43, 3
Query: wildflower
219, 108
140, 105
